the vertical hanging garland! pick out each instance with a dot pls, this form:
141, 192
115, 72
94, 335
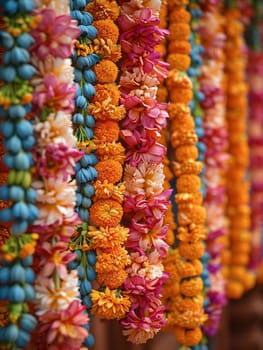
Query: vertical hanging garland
145, 201
215, 139
105, 233
19, 210
188, 315
83, 60
255, 133
238, 211
60, 314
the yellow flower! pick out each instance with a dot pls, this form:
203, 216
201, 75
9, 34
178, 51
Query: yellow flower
109, 304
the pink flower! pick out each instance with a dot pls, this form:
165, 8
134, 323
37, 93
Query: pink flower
140, 208
148, 237
54, 35
141, 28
64, 328
149, 113
141, 324
55, 257
55, 95
143, 147
57, 160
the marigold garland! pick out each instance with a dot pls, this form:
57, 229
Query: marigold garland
190, 212
237, 185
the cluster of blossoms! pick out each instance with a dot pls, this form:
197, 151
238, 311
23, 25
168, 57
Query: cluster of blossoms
17, 195
186, 314
105, 233
145, 200
215, 139
58, 309
238, 211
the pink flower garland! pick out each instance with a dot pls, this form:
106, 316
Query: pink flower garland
255, 131
60, 314
145, 200
215, 139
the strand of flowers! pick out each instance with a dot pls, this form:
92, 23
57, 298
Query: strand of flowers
215, 139
85, 172
105, 233
145, 201
4, 227
188, 316
16, 275
255, 132
56, 304
238, 211
194, 72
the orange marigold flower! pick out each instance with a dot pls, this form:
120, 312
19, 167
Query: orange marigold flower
187, 269
188, 198
179, 31
109, 304
111, 259
110, 150
178, 80
107, 92
192, 233
234, 289
188, 183
179, 46
107, 30
162, 94
106, 237
184, 304
240, 259
103, 9
106, 71
104, 190
191, 287
107, 130
188, 167
185, 137
110, 170
183, 153
179, 15
189, 213
106, 110
181, 95
113, 280
191, 250
170, 291
179, 111
189, 319
173, 3
188, 337
106, 212
179, 61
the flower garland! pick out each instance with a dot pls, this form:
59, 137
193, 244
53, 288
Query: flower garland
145, 202
255, 129
188, 314
215, 139
238, 211
85, 171
56, 304
104, 233
19, 210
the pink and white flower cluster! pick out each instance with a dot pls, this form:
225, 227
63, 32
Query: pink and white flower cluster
215, 139
145, 201
60, 314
